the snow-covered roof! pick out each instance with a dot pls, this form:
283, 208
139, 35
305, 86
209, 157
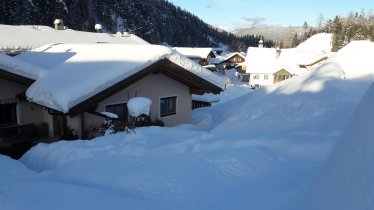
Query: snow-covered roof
80, 71
19, 67
27, 37
321, 42
263, 61
229, 56
312, 51
194, 52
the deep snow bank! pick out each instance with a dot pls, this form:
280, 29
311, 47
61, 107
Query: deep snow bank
318, 103
346, 180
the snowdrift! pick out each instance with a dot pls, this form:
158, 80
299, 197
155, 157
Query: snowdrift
257, 151
346, 180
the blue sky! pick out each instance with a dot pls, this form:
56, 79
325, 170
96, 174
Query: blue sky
231, 14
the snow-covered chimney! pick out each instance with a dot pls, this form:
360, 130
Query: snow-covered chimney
98, 28
59, 24
277, 52
126, 32
261, 44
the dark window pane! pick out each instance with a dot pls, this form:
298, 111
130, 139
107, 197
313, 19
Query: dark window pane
8, 114
168, 106
118, 109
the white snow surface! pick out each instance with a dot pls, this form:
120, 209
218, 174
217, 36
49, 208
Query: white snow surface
78, 71
19, 67
27, 37
321, 42
138, 106
194, 52
305, 143
346, 179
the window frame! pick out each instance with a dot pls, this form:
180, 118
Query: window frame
118, 103
169, 113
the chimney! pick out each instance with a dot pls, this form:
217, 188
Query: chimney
126, 32
59, 24
98, 28
277, 52
261, 44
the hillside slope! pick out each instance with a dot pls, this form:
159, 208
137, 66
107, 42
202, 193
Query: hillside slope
156, 21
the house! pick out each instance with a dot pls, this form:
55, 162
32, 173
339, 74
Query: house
265, 66
18, 117
75, 82
201, 56
232, 60
17, 39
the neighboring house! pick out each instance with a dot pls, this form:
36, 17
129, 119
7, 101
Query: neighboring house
82, 80
17, 39
265, 66
232, 60
17, 116
201, 56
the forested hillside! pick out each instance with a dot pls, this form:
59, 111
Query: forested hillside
355, 26
156, 21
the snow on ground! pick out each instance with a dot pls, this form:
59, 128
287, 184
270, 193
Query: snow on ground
258, 150
346, 180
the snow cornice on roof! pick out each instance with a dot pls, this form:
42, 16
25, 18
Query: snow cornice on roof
195, 52
18, 67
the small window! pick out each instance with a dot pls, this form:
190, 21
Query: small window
8, 114
118, 109
266, 77
168, 106
257, 76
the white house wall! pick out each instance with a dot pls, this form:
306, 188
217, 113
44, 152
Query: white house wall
26, 112
154, 87
261, 81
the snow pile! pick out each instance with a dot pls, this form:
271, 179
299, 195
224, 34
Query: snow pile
357, 59
241, 153
312, 103
16, 66
138, 106
346, 181
321, 42
27, 37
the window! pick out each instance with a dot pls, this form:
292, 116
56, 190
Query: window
168, 106
266, 77
257, 76
8, 114
118, 109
